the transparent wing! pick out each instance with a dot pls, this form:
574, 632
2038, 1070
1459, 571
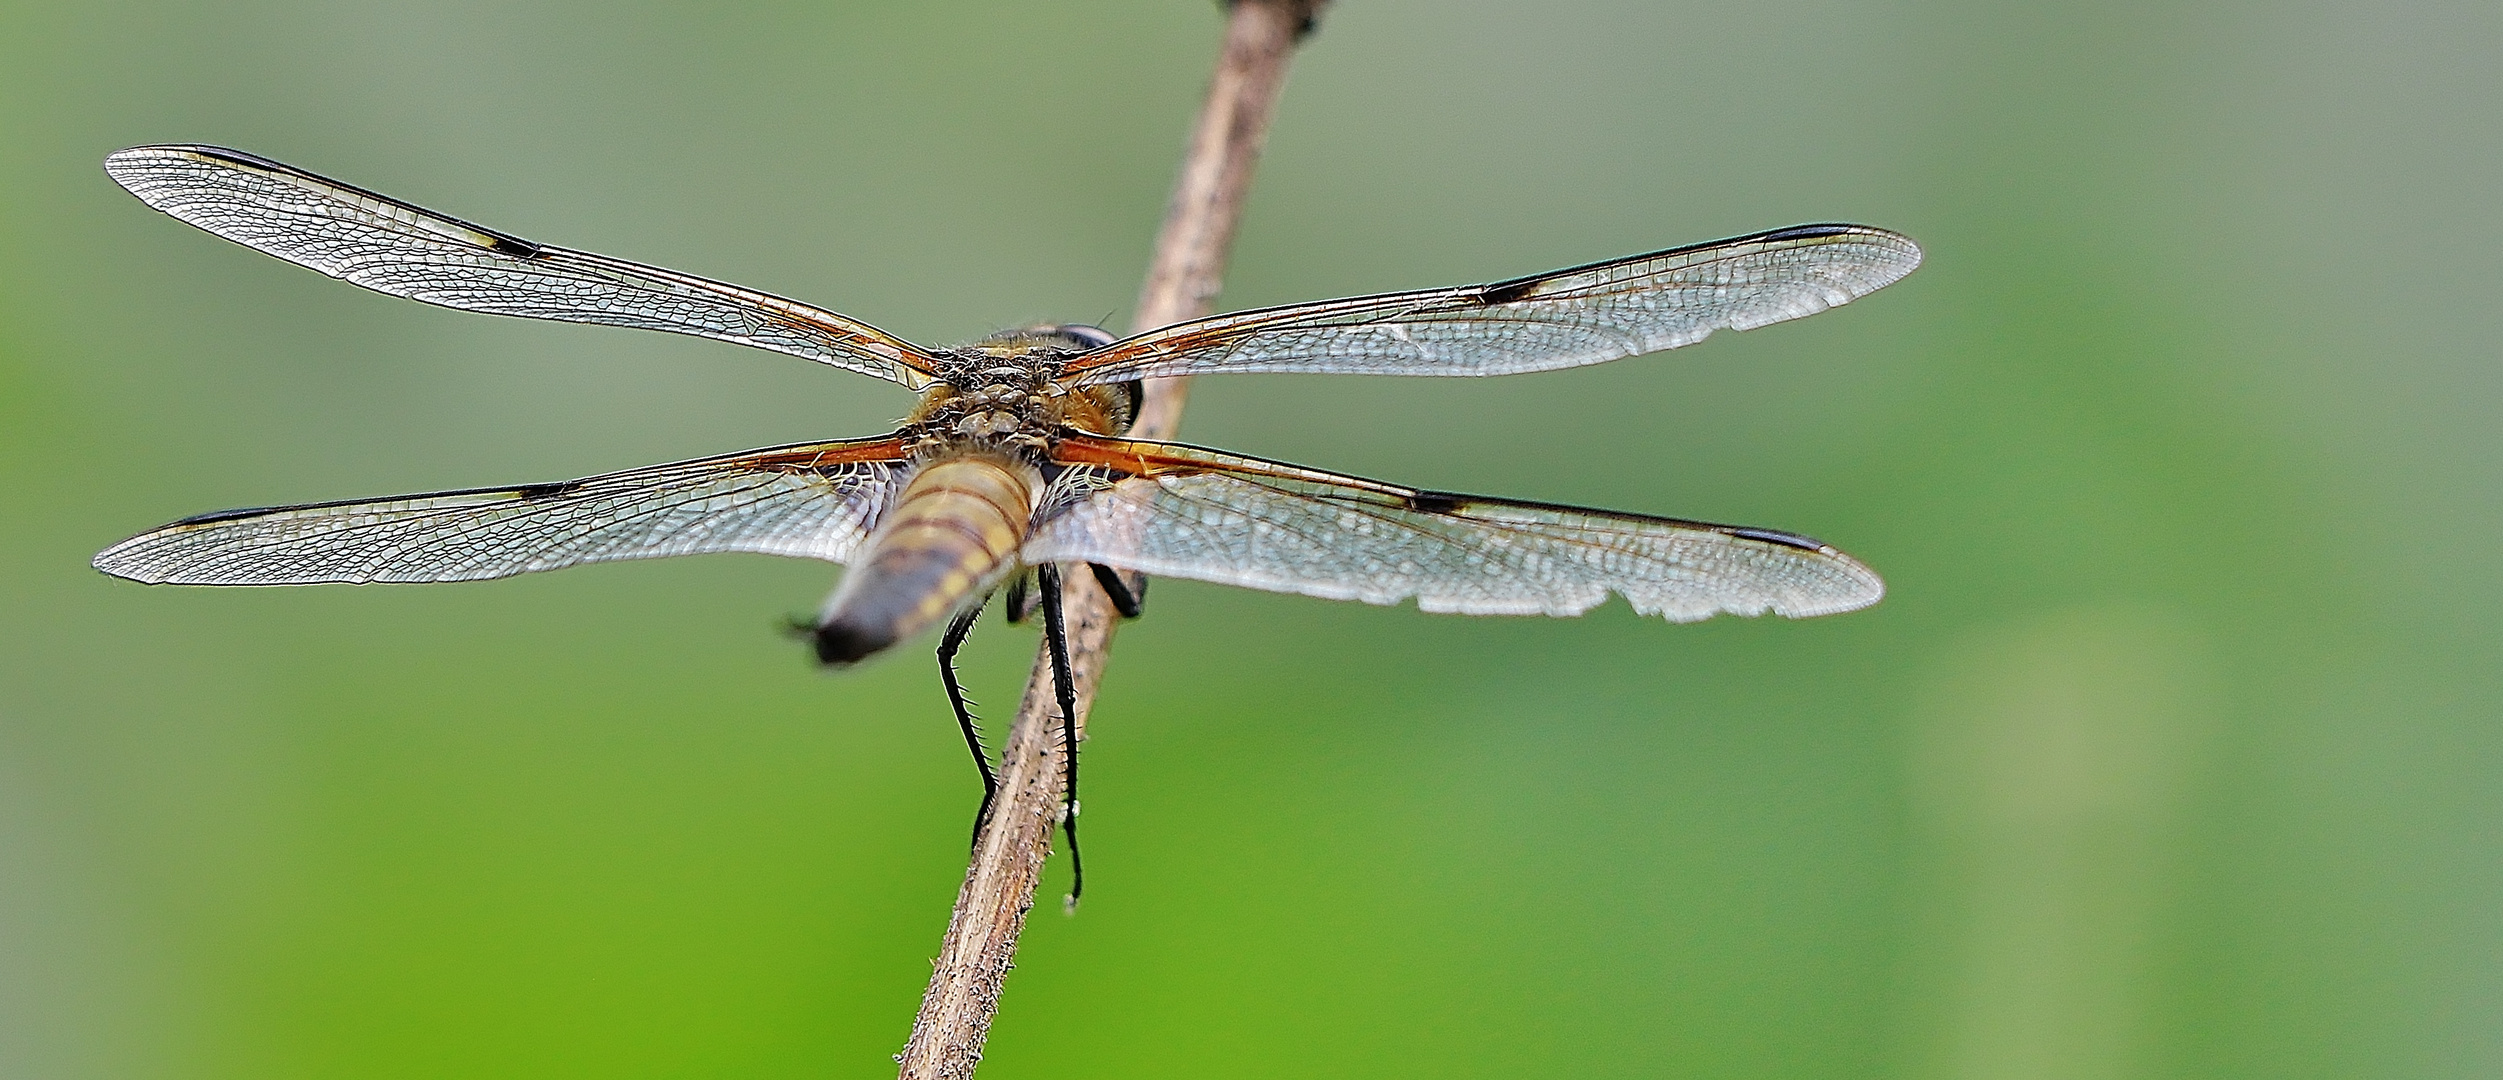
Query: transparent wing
1187, 512
813, 500
392, 247
1568, 318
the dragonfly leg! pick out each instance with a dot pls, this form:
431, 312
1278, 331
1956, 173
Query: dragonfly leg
1055, 634
1126, 600
948, 645
1020, 597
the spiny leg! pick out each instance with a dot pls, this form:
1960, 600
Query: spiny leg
1056, 635
948, 645
1126, 600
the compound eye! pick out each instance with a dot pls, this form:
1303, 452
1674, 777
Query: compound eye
1084, 336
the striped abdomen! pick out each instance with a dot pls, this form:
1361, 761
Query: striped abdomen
951, 533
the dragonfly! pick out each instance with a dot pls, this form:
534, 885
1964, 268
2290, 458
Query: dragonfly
1014, 467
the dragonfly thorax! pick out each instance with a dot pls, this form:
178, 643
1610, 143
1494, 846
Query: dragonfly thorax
999, 394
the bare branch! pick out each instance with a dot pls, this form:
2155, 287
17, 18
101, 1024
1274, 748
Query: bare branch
1183, 281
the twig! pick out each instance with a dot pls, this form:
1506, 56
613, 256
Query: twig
1191, 250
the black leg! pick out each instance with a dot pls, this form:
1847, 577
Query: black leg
955, 637
1047, 580
1020, 597
1129, 602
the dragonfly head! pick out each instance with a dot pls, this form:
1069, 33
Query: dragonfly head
1057, 337
1079, 334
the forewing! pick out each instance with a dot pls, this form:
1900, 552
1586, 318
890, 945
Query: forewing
1187, 512
1568, 318
814, 500
392, 247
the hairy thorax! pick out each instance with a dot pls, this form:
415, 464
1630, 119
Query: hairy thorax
996, 397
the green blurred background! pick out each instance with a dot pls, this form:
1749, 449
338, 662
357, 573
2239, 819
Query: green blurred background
2174, 751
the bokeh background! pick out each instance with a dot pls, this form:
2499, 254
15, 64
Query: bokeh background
2175, 750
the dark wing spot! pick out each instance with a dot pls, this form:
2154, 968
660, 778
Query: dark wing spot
1436, 502
1790, 540
1808, 232
1505, 292
228, 515
513, 245
548, 491
529, 491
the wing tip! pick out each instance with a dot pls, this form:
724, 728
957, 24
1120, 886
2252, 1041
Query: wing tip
1903, 254
129, 158
1847, 584
1860, 588
115, 562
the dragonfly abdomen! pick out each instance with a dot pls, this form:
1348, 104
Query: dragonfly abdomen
950, 536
